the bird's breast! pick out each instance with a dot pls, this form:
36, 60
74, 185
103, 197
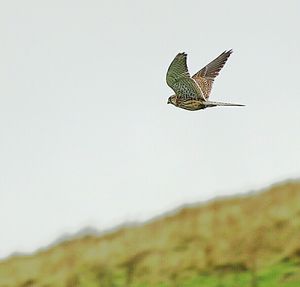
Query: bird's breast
191, 105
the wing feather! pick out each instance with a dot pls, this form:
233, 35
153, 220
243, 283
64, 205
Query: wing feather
179, 80
205, 77
177, 70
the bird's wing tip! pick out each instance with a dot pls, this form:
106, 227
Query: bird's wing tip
182, 54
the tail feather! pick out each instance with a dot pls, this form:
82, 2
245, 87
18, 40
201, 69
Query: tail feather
214, 104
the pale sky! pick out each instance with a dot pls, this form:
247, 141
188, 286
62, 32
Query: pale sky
87, 138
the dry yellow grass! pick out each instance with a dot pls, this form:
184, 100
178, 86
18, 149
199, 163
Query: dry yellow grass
241, 233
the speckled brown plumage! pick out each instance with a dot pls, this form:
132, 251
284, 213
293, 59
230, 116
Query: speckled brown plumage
192, 93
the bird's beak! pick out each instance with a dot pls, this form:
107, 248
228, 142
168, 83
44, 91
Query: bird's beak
169, 102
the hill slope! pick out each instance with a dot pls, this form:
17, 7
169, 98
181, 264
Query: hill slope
235, 242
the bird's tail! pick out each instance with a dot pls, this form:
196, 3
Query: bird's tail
215, 104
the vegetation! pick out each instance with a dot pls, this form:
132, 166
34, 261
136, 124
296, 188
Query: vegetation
251, 240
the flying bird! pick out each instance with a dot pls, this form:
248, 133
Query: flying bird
192, 93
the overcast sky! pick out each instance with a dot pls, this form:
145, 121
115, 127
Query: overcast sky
87, 138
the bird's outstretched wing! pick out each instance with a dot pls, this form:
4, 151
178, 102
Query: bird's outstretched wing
205, 77
179, 80
177, 70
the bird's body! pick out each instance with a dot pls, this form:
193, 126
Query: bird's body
191, 93
189, 104
195, 105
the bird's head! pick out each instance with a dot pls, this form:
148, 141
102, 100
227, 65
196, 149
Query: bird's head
172, 100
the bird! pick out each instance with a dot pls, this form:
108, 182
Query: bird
192, 93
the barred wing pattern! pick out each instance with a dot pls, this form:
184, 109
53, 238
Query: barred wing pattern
177, 70
179, 80
205, 77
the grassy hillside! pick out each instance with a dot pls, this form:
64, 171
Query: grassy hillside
252, 240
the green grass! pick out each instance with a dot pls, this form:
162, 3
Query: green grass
283, 274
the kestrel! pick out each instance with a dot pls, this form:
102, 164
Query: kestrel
192, 93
